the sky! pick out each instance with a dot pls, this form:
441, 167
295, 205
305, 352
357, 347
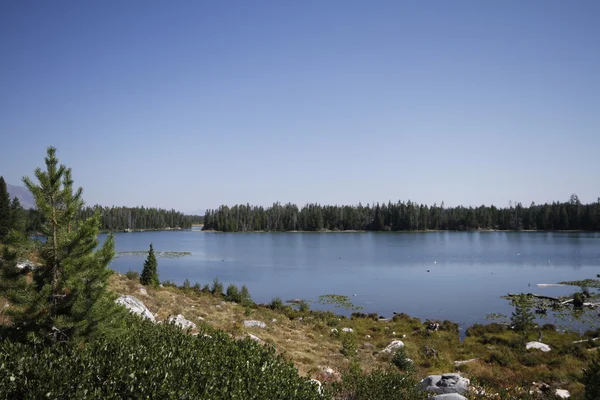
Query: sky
194, 104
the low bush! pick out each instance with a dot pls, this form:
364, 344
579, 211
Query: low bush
151, 361
132, 275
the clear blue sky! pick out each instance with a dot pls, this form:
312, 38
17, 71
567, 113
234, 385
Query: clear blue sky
193, 104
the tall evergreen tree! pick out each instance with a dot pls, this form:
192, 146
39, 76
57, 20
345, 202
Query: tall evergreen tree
150, 272
66, 296
17, 215
4, 210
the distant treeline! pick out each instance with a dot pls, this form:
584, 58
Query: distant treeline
121, 218
409, 216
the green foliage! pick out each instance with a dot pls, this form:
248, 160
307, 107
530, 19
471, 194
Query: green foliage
590, 283
338, 300
5, 220
233, 294
132, 275
591, 378
206, 289
187, 284
403, 216
245, 297
65, 297
303, 306
217, 287
522, 317
401, 360
151, 362
277, 304
349, 345
380, 384
150, 271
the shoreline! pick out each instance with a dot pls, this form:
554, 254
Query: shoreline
400, 232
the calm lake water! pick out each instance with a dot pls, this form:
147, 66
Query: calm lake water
439, 275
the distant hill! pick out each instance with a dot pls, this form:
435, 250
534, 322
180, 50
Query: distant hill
23, 194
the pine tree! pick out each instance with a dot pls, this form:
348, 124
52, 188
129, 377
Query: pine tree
150, 273
4, 210
66, 296
17, 215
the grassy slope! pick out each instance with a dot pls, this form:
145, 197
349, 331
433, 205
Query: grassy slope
309, 343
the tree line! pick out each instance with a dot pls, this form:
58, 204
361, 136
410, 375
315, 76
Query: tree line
405, 216
122, 218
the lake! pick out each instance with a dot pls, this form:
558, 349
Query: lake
458, 276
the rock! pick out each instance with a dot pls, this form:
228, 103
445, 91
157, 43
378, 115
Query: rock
447, 383
562, 393
222, 303
349, 330
317, 384
538, 345
143, 291
334, 330
200, 319
255, 338
25, 264
181, 322
367, 336
295, 301
433, 326
457, 363
368, 346
274, 320
135, 306
258, 324
449, 396
393, 346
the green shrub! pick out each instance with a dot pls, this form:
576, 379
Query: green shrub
245, 297
303, 307
591, 378
187, 284
217, 287
233, 294
401, 361
380, 384
276, 304
349, 346
151, 361
132, 275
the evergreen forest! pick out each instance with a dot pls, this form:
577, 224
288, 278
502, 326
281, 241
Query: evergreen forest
405, 216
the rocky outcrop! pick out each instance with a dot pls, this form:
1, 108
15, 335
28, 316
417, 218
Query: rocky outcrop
538, 345
449, 396
258, 324
447, 383
135, 306
393, 346
181, 322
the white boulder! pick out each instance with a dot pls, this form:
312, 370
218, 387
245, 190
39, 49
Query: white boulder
562, 393
447, 383
181, 322
348, 330
135, 306
393, 346
258, 324
143, 291
538, 345
449, 396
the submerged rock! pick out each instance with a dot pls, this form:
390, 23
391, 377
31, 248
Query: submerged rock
393, 346
258, 324
135, 306
538, 345
181, 322
447, 383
